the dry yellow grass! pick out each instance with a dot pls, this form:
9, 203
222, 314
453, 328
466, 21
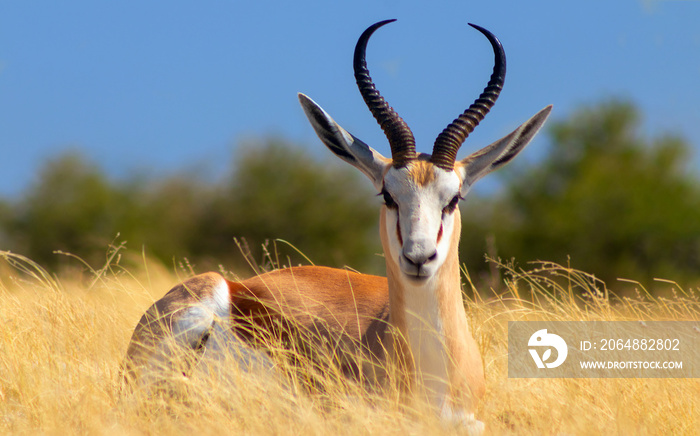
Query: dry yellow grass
62, 341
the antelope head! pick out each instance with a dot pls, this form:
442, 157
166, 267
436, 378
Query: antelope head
421, 192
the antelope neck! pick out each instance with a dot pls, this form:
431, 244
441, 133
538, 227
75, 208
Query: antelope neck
430, 316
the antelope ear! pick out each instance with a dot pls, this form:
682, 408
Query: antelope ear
494, 156
344, 145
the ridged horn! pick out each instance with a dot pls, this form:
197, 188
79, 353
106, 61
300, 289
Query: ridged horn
448, 142
401, 140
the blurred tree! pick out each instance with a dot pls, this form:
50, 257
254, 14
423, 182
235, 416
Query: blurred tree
274, 191
278, 191
6, 212
618, 204
614, 202
72, 207
166, 215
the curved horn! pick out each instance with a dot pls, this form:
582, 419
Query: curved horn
401, 140
449, 141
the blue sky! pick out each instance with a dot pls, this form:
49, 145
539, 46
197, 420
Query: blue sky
163, 87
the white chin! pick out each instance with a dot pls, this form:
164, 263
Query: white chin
417, 277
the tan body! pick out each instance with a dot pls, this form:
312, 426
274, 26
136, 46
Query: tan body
317, 302
415, 317
351, 309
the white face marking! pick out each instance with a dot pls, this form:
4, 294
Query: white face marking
420, 222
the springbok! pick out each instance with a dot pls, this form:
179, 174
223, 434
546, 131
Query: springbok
415, 317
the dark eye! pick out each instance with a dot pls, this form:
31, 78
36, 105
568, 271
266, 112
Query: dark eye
388, 200
452, 205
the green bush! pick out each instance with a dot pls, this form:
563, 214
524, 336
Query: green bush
605, 198
274, 191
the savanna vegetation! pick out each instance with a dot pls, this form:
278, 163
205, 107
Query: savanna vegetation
63, 341
275, 190
605, 199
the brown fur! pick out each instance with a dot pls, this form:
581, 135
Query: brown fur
313, 303
421, 172
396, 342
353, 310
466, 373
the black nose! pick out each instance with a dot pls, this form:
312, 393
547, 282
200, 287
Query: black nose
419, 260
